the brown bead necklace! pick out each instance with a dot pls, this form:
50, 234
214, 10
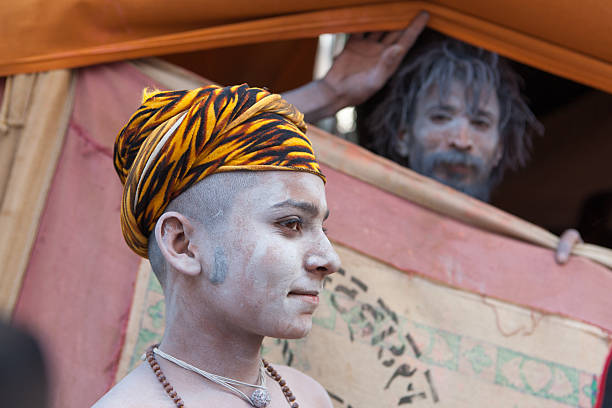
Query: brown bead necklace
178, 401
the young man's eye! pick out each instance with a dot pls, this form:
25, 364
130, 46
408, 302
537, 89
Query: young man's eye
293, 224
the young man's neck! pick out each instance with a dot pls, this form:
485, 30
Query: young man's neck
212, 347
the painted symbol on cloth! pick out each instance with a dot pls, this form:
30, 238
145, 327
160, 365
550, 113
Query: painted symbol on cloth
478, 358
537, 377
379, 326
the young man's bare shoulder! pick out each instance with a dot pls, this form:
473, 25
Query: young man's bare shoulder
139, 389
307, 391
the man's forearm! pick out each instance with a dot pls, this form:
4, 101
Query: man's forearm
317, 100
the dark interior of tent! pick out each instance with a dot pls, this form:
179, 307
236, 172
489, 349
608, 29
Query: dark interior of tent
566, 184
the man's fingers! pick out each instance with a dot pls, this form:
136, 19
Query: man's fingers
392, 36
567, 241
388, 63
411, 33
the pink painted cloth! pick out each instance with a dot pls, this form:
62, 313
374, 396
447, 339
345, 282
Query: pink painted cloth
78, 287
417, 240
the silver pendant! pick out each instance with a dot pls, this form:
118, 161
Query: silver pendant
261, 398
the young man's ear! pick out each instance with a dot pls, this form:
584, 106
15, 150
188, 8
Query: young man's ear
173, 232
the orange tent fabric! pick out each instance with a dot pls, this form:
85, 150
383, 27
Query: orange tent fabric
566, 38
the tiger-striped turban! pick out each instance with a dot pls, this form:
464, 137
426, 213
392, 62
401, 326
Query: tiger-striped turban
177, 138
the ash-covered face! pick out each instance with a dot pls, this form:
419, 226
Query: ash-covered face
454, 144
270, 256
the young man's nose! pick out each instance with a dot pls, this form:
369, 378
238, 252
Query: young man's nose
461, 136
323, 259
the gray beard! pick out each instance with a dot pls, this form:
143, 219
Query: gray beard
480, 191
427, 164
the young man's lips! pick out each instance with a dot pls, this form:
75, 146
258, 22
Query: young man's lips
307, 296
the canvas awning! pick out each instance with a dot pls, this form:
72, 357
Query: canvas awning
567, 38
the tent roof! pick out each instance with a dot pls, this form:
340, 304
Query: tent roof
567, 38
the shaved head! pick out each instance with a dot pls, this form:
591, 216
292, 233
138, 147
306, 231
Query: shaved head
208, 202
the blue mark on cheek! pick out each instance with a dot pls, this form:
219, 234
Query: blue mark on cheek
220, 267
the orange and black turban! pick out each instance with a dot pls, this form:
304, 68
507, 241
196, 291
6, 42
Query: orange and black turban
177, 138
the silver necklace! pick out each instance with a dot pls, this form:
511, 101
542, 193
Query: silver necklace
260, 398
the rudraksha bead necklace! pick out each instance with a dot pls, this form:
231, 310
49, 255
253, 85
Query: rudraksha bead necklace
258, 399
284, 387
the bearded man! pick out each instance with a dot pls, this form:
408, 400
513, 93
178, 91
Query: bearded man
223, 194
454, 113
450, 111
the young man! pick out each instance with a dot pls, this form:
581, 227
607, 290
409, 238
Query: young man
223, 193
